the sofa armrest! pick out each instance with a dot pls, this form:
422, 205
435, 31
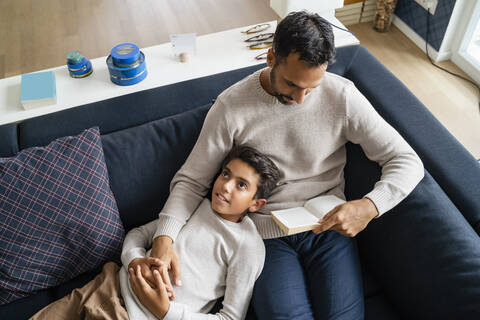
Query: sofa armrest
450, 164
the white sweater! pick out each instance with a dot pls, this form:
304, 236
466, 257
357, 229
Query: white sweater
217, 258
306, 142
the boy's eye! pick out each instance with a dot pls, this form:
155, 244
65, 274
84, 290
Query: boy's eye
242, 185
225, 174
291, 84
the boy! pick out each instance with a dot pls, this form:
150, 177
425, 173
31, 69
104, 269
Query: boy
221, 251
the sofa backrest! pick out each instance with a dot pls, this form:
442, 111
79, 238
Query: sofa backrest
8, 140
129, 110
141, 107
142, 161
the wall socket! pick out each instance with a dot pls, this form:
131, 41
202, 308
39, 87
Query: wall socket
428, 4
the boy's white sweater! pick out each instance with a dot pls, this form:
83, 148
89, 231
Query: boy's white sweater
218, 258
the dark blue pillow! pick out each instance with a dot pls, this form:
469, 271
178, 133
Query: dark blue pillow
58, 216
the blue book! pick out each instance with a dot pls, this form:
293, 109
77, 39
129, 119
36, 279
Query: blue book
38, 89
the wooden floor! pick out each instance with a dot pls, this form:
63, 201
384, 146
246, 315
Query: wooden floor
35, 35
453, 101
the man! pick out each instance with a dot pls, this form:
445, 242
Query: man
301, 117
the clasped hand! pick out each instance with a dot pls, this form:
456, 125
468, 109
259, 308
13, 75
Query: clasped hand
348, 218
147, 265
149, 277
152, 294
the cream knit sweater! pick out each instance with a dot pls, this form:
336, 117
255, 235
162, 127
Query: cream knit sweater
307, 143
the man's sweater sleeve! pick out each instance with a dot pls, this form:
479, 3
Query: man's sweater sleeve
244, 269
402, 169
191, 183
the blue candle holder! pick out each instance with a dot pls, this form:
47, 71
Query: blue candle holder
78, 65
126, 64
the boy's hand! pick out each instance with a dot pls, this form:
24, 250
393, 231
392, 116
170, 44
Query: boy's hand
147, 265
162, 249
154, 299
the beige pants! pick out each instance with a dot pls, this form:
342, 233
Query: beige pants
98, 299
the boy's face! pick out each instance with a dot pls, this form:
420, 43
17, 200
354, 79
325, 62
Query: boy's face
234, 189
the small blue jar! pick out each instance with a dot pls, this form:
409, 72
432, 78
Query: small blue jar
78, 66
126, 64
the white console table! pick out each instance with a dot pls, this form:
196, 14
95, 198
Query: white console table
215, 53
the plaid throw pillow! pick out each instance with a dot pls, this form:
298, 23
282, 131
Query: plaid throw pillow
58, 216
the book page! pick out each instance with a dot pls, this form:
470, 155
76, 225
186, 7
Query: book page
295, 217
321, 205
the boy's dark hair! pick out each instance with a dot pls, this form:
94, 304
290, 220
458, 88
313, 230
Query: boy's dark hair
308, 34
263, 166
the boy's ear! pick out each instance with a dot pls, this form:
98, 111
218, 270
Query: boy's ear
257, 205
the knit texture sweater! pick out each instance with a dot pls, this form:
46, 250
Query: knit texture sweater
307, 143
219, 258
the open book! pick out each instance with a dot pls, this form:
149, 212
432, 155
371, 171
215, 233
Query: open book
300, 219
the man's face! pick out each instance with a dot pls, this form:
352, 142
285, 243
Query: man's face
292, 79
234, 189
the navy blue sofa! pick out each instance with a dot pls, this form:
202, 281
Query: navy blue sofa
421, 260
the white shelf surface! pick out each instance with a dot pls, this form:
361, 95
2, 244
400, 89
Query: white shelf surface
215, 53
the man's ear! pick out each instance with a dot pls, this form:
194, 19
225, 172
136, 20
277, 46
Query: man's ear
257, 205
270, 58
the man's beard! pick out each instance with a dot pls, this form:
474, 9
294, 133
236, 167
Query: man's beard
278, 95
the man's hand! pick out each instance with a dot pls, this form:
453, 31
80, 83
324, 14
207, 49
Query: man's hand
147, 265
162, 249
154, 299
349, 218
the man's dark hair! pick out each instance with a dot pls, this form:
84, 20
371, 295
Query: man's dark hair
263, 166
308, 34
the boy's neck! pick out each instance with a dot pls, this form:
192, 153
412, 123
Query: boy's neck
231, 218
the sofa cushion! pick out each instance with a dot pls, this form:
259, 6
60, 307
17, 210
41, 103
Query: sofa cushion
378, 307
58, 217
426, 256
8, 140
22, 309
423, 253
143, 160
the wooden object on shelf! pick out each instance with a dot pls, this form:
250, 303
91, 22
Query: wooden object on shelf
350, 13
356, 11
368, 11
384, 15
